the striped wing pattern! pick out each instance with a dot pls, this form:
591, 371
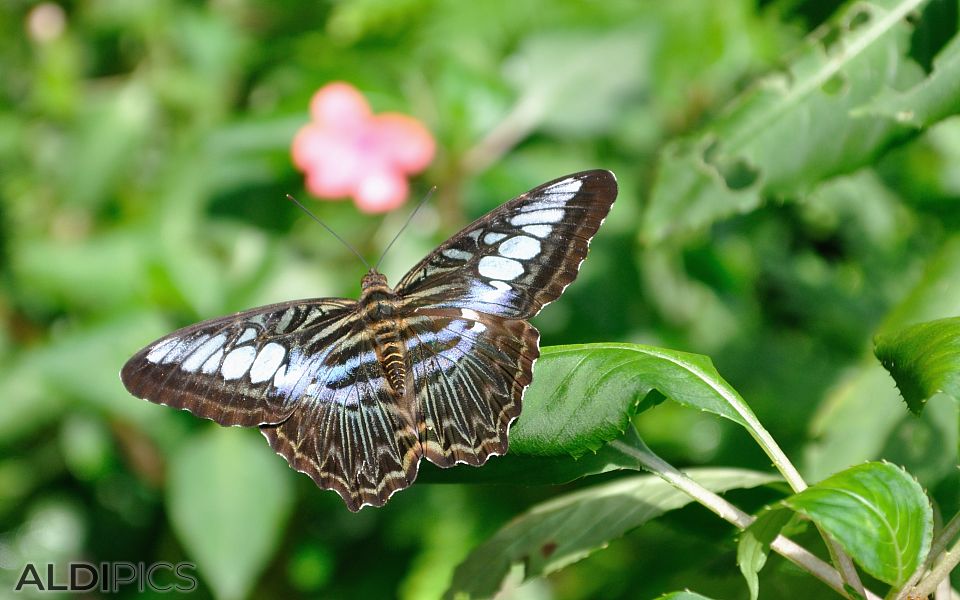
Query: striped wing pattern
469, 374
246, 369
521, 256
352, 435
356, 393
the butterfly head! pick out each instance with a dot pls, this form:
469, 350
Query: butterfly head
373, 279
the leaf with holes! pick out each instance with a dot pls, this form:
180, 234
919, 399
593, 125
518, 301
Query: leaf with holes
742, 158
566, 529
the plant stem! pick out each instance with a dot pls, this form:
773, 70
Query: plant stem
509, 132
947, 534
730, 513
940, 571
766, 442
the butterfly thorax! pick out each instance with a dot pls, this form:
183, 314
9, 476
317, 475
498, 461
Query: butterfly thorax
378, 306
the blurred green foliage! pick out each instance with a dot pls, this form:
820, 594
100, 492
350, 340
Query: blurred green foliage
790, 186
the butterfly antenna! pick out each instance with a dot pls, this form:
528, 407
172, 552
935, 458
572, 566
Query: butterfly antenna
325, 226
409, 219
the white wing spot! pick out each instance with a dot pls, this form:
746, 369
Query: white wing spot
503, 286
238, 361
267, 363
541, 231
493, 237
183, 348
248, 334
201, 354
161, 349
498, 267
213, 363
546, 215
456, 254
521, 247
567, 186
469, 314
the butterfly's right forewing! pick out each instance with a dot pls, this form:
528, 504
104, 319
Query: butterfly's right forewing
246, 369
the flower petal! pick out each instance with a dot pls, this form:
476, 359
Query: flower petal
381, 190
312, 145
339, 105
339, 175
407, 142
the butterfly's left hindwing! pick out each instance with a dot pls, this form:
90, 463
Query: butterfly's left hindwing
350, 433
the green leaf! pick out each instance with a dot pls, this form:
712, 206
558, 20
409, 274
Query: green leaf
931, 100
923, 360
578, 98
754, 545
535, 470
742, 157
229, 499
583, 396
879, 515
566, 529
43, 380
936, 295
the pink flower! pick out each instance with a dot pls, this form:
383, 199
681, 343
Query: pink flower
346, 150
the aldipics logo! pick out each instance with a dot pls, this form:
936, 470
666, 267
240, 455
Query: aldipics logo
108, 577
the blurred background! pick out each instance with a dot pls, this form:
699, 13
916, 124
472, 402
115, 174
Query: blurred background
144, 159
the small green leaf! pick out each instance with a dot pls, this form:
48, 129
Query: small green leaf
879, 515
229, 499
754, 545
566, 529
923, 360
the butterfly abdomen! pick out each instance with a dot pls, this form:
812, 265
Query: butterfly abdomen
379, 307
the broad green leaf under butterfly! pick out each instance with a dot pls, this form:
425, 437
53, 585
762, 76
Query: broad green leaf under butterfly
569, 528
583, 395
923, 359
582, 398
878, 513
741, 157
228, 503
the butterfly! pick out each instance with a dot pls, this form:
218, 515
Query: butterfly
355, 393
